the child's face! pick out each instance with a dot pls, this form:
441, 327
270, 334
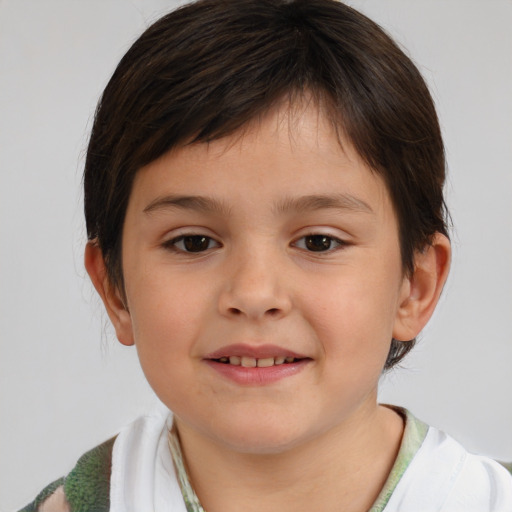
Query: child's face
269, 244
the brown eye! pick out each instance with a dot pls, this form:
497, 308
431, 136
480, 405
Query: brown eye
196, 243
318, 243
192, 243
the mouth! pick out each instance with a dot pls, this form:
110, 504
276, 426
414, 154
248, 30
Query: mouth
252, 362
256, 365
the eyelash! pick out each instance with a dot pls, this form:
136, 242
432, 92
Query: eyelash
206, 241
321, 237
173, 244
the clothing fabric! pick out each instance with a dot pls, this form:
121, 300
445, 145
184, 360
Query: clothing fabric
142, 469
87, 486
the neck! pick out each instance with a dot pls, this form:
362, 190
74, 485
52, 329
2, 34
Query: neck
343, 469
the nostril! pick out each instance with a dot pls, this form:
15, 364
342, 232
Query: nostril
235, 311
273, 311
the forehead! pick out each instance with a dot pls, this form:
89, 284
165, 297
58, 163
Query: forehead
292, 150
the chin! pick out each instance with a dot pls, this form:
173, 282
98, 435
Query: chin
260, 435
262, 443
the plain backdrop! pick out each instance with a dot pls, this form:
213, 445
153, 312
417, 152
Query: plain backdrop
66, 384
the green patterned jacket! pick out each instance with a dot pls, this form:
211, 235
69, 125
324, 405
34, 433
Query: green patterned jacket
87, 486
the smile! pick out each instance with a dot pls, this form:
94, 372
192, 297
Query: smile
256, 365
252, 362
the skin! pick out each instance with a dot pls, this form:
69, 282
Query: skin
315, 440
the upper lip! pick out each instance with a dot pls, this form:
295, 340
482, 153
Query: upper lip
255, 351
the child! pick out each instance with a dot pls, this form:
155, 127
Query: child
266, 223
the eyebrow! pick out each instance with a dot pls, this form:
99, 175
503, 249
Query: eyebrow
323, 202
300, 204
198, 203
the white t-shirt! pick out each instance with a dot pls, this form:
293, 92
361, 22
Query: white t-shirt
432, 473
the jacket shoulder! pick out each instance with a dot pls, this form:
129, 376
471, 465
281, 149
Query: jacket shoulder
85, 488
44, 495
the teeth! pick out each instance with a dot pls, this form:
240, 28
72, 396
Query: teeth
265, 363
235, 360
251, 362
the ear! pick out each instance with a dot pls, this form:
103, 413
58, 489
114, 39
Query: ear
421, 291
110, 295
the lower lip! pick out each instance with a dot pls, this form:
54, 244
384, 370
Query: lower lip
258, 376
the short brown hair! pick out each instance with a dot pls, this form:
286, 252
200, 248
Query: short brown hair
207, 69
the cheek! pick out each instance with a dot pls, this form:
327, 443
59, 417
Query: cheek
166, 325
166, 314
353, 316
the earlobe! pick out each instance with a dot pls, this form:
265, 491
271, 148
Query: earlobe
421, 291
110, 295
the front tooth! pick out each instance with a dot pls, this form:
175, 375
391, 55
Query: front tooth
279, 360
248, 362
234, 360
265, 363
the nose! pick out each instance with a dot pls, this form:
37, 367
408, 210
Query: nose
256, 287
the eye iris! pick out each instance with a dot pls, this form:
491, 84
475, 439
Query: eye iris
196, 243
318, 242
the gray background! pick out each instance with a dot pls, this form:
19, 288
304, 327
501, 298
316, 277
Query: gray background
66, 385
